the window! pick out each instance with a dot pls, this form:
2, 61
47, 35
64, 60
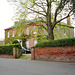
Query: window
34, 30
27, 43
13, 34
64, 32
19, 34
27, 30
8, 34
35, 42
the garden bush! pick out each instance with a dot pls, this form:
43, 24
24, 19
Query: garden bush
57, 43
8, 49
15, 42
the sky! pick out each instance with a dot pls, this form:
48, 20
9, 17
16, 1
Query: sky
6, 14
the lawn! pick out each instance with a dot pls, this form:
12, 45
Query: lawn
25, 57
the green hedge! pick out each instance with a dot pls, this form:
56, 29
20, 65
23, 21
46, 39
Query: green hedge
8, 49
15, 42
57, 43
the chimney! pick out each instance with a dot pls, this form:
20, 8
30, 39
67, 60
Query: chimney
68, 20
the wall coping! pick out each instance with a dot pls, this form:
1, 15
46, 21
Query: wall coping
50, 47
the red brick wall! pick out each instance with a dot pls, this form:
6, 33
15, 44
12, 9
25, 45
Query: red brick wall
54, 53
31, 42
6, 56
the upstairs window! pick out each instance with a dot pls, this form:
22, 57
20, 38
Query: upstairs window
27, 30
13, 34
34, 30
35, 42
8, 34
19, 34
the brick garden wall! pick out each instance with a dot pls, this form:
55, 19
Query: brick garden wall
54, 53
6, 56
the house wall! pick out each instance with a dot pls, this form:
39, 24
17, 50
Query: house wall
10, 35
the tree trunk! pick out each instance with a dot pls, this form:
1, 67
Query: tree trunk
49, 24
50, 33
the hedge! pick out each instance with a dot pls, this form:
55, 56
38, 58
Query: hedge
15, 42
8, 49
57, 43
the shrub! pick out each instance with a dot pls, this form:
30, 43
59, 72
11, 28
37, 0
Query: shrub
15, 42
8, 49
57, 43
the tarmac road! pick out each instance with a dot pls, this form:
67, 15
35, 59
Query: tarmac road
29, 67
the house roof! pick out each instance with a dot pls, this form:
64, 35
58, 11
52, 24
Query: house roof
31, 22
10, 28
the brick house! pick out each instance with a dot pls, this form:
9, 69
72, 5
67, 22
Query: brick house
11, 32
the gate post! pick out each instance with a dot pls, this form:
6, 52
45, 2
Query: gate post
33, 53
15, 52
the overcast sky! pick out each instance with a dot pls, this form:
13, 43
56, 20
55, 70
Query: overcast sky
6, 14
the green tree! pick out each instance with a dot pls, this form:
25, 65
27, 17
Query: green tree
42, 10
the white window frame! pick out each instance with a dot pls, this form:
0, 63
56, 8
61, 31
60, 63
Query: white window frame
13, 34
8, 34
27, 30
34, 30
35, 42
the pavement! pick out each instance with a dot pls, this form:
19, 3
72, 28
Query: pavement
30, 67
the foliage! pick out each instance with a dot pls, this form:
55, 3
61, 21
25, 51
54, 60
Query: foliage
8, 49
15, 42
62, 31
10, 39
57, 43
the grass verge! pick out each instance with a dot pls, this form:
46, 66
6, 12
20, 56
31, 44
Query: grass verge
25, 57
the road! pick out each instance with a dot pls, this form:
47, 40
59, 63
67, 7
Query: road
29, 67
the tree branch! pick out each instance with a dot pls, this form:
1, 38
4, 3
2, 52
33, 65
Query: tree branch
58, 10
41, 7
43, 27
62, 18
47, 1
36, 11
65, 17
